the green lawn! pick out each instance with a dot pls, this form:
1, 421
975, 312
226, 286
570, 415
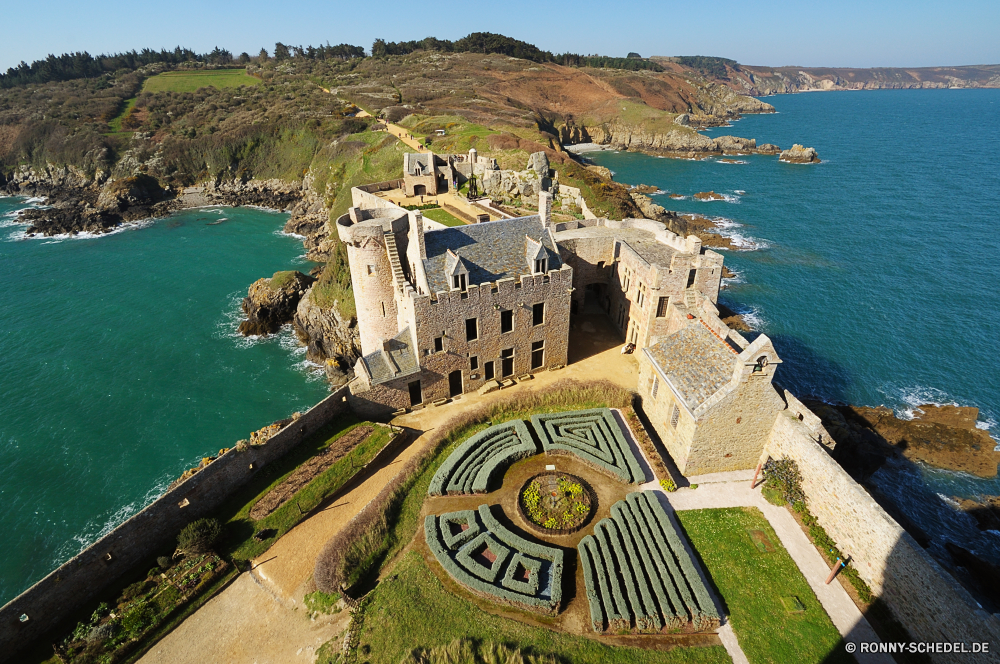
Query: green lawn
413, 610
235, 514
752, 579
441, 215
189, 81
116, 124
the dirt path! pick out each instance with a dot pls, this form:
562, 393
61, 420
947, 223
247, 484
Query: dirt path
244, 623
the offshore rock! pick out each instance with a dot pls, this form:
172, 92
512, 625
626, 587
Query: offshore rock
768, 148
985, 510
800, 155
270, 303
735, 145
331, 340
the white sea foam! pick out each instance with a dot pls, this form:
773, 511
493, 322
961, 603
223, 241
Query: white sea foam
36, 199
914, 397
84, 235
731, 161
739, 191
728, 198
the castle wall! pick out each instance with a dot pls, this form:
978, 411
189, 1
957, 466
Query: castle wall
923, 596
592, 261
374, 295
151, 531
658, 409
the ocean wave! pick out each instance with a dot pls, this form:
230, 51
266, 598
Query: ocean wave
101, 526
728, 198
84, 235
914, 397
36, 199
731, 161
739, 191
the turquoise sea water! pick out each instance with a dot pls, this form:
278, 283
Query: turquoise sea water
875, 272
120, 367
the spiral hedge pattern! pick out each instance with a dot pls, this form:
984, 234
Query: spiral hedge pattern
473, 467
639, 576
522, 573
595, 437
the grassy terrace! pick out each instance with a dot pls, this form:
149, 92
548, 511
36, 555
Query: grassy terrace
755, 577
414, 605
189, 81
442, 216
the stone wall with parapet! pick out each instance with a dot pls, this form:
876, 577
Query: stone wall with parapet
364, 197
86, 575
923, 596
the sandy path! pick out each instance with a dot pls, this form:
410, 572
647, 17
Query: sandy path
245, 623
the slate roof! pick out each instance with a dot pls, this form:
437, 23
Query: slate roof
401, 360
412, 160
491, 250
695, 361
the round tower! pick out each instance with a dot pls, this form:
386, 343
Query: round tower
370, 238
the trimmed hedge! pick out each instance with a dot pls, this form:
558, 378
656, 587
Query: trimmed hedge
595, 437
542, 592
638, 574
473, 467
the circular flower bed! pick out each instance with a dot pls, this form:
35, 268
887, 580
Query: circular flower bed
556, 503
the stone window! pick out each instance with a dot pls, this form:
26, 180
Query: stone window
506, 321
692, 276
655, 387
538, 314
641, 297
625, 281
537, 354
661, 307
458, 282
372, 270
488, 373
473, 363
438, 344
471, 329
675, 416
541, 266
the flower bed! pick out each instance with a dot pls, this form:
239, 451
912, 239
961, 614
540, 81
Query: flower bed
595, 437
556, 503
113, 631
492, 562
638, 574
473, 467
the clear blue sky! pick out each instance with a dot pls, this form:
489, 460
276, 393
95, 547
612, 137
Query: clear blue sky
870, 33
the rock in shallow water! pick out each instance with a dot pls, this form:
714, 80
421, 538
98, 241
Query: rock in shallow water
270, 303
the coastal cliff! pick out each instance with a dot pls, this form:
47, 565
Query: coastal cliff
331, 338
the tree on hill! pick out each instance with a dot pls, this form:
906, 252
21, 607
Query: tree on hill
281, 52
634, 56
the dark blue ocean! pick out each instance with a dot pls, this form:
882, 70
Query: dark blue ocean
876, 272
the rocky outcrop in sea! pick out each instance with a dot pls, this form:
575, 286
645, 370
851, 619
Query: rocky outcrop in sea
799, 155
331, 339
271, 303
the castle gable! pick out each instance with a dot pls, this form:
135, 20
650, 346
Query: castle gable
489, 251
395, 359
695, 362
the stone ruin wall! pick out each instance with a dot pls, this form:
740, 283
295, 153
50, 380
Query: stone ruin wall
922, 595
83, 577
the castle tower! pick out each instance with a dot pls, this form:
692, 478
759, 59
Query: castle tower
370, 236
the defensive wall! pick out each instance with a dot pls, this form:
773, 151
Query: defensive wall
922, 596
80, 579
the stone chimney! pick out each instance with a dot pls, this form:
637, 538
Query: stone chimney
545, 207
473, 154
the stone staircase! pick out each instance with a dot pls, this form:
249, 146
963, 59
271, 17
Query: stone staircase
397, 268
691, 298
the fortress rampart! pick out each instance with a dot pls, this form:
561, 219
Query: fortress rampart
149, 532
923, 597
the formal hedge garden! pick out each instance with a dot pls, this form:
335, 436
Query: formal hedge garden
595, 437
473, 467
639, 576
556, 503
480, 554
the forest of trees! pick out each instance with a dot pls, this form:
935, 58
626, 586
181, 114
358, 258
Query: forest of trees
708, 65
71, 66
487, 42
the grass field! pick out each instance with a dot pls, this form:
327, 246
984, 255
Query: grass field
413, 610
443, 216
752, 579
116, 124
189, 81
235, 514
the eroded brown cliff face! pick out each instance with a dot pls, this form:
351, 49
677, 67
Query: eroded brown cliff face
331, 339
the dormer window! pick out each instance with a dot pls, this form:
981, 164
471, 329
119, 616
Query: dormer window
541, 266
458, 282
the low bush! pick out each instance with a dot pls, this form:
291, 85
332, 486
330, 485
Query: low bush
605, 449
164, 562
199, 536
668, 485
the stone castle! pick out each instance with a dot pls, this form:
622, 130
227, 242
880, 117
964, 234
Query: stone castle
443, 311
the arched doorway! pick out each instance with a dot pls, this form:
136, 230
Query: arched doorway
419, 190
